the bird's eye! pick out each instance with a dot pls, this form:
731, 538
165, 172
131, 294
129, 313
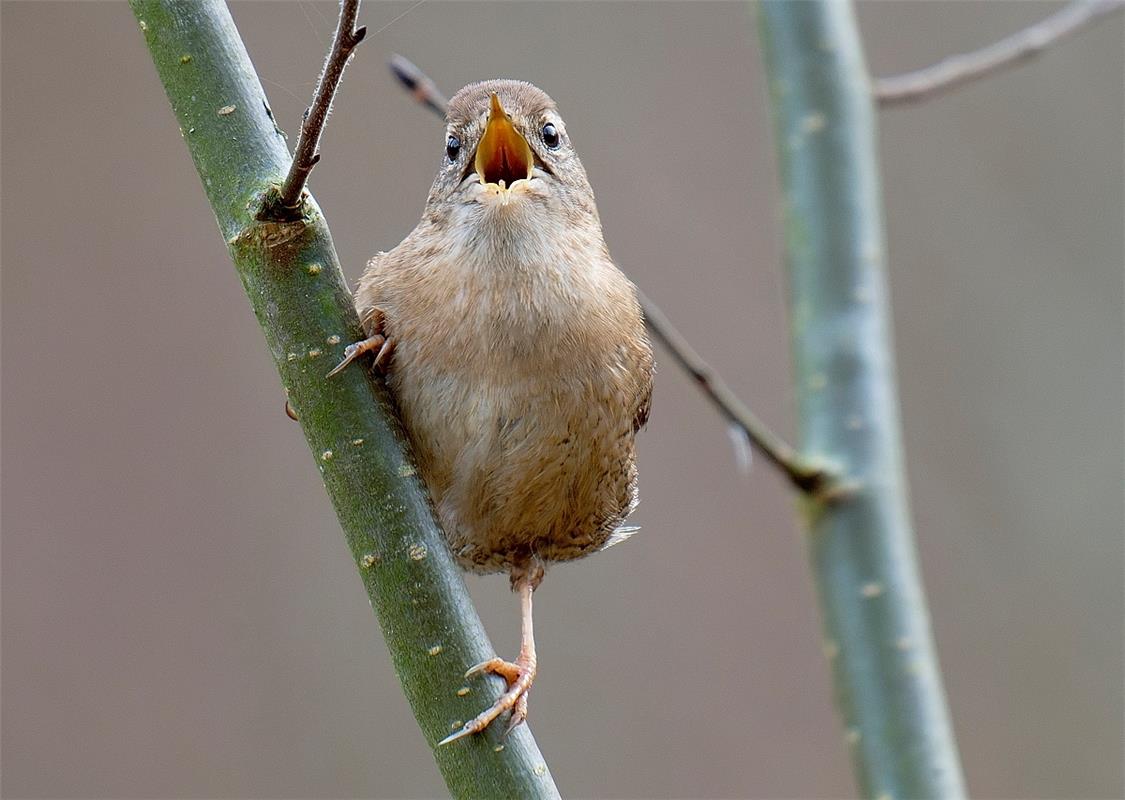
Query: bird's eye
452, 147
550, 136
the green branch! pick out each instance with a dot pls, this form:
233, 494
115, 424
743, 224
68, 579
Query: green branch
876, 624
292, 276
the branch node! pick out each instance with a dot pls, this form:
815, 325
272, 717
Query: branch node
822, 483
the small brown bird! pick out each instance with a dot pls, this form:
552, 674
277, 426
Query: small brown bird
516, 352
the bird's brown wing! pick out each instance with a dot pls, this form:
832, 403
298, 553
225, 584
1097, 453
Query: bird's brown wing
646, 367
640, 417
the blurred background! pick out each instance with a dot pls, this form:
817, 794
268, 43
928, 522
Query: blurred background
180, 613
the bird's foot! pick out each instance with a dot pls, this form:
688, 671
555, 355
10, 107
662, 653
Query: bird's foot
519, 675
381, 345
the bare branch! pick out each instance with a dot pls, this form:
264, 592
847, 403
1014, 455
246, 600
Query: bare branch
1010, 51
862, 551
306, 155
813, 479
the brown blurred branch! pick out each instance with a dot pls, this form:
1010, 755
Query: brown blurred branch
810, 478
1010, 51
305, 156
813, 479
418, 83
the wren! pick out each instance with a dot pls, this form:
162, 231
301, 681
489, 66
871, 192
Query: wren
516, 352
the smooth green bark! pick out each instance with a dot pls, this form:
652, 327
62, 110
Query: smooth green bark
877, 631
292, 276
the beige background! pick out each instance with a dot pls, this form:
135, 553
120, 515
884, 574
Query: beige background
180, 614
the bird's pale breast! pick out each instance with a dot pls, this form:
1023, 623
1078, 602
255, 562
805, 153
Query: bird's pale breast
521, 391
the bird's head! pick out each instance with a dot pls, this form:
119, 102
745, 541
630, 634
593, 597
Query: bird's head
508, 161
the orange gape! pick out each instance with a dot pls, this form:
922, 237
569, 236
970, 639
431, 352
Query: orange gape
503, 154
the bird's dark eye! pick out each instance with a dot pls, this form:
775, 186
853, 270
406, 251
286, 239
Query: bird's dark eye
452, 147
550, 136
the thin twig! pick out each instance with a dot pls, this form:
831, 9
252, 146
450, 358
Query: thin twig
418, 83
306, 155
813, 479
1010, 51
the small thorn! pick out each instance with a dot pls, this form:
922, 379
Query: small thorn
360, 32
291, 412
314, 160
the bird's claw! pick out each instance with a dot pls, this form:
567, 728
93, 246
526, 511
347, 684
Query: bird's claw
518, 676
381, 344
519, 714
507, 670
460, 734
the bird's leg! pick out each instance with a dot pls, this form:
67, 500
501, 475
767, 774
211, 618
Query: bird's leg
518, 674
383, 346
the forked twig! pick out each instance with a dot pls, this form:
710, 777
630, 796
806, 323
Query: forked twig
347, 38
813, 479
1010, 51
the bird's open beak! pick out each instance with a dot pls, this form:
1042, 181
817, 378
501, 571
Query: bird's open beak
503, 155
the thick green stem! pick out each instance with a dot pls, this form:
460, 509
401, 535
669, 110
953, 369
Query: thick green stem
877, 627
294, 282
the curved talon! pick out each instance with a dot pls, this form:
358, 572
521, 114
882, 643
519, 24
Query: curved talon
519, 714
496, 666
467, 730
384, 354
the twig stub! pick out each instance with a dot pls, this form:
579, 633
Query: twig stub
285, 204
